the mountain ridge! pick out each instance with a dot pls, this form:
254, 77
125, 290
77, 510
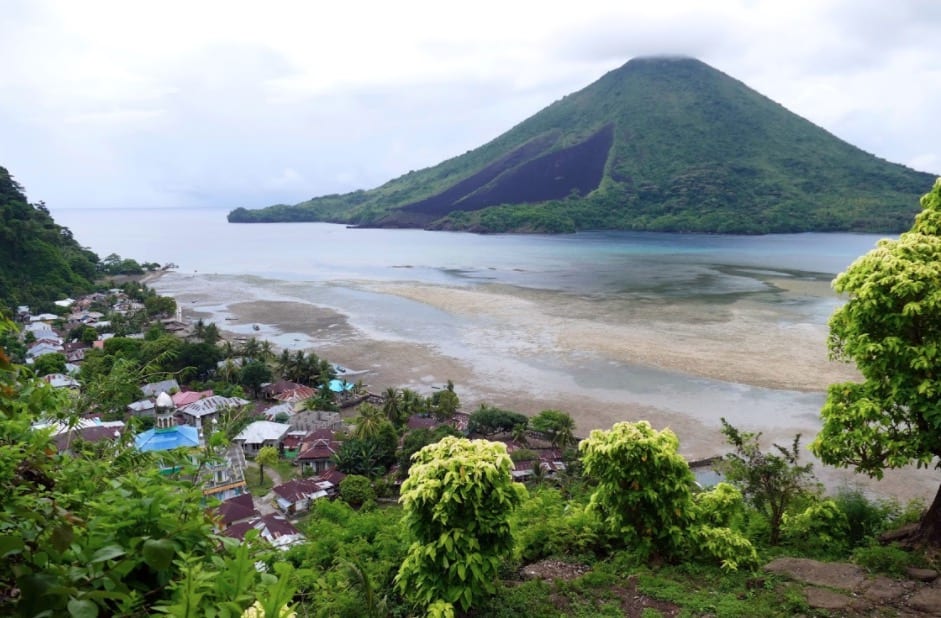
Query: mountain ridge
660, 143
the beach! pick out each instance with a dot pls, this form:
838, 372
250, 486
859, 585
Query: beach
528, 350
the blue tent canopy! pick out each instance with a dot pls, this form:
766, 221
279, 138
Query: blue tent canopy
338, 386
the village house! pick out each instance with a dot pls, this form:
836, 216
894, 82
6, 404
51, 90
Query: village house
86, 429
316, 451
240, 508
155, 388
286, 409
274, 528
185, 398
260, 434
60, 380
207, 410
273, 389
295, 496
41, 348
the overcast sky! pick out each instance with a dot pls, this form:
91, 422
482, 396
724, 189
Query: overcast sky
198, 104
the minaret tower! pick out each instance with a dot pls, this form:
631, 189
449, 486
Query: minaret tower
164, 409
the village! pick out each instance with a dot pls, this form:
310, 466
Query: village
299, 431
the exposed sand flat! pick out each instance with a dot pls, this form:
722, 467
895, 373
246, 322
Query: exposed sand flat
723, 344
506, 333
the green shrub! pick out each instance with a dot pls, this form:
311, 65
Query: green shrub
725, 546
865, 518
721, 505
820, 528
888, 559
357, 490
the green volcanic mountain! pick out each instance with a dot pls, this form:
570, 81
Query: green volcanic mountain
663, 143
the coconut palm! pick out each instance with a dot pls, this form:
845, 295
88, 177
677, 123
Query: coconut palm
370, 422
392, 406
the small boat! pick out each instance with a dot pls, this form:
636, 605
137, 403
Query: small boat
256, 327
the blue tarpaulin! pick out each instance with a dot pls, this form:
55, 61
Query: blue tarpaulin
338, 386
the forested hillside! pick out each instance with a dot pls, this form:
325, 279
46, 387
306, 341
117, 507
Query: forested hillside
663, 143
39, 260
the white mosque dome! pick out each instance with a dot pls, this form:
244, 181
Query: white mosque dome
164, 401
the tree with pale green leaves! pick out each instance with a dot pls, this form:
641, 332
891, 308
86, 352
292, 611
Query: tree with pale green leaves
458, 498
890, 327
644, 492
644, 497
267, 456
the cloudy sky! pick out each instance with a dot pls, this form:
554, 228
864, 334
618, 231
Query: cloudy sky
226, 104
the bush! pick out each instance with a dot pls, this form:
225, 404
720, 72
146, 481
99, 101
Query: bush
865, 518
357, 490
889, 559
820, 528
546, 525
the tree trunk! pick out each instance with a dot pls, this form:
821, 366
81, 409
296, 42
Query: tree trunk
929, 529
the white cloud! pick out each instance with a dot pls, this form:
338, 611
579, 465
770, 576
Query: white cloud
246, 104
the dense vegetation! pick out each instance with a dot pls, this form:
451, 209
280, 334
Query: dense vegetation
39, 260
664, 144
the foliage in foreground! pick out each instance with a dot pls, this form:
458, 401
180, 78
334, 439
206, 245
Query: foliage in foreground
891, 329
457, 500
104, 530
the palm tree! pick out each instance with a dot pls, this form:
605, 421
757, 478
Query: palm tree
266, 351
252, 349
412, 402
284, 364
369, 423
230, 371
392, 406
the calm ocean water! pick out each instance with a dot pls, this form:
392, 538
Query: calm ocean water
671, 265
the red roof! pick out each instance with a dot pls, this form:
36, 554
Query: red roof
184, 398
276, 388
297, 489
332, 476
298, 393
236, 509
317, 449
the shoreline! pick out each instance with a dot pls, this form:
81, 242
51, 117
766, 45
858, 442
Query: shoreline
513, 355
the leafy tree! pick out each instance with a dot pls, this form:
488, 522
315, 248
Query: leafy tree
49, 363
444, 404
160, 305
357, 490
198, 359
557, 425
490, 421
110, 392
891, 329
457, 499
253, 374
771, 483
364, 457
644, 485
267, 456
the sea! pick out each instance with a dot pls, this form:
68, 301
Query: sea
603, 262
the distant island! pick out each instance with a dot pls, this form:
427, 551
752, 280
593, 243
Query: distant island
660, 144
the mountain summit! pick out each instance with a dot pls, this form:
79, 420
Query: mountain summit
662, 143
